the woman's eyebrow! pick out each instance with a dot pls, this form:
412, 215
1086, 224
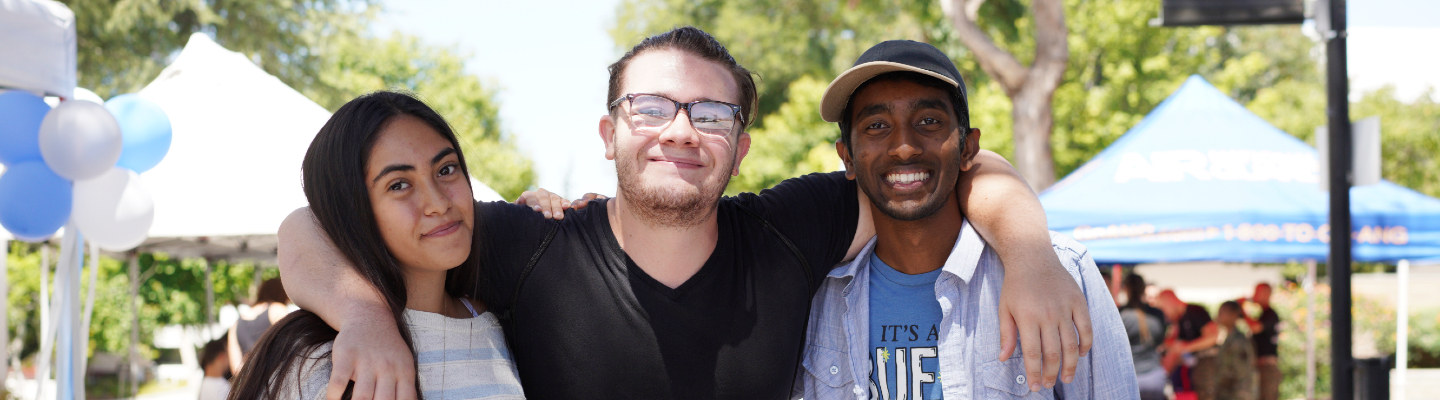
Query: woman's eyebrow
392, 168
443, 152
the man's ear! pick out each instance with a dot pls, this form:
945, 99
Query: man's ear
742, 147
844, 153
972, 147
607, 135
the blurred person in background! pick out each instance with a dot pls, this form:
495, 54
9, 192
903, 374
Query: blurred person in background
215, 361
1146, 326
1186, 322
1225, 358
1265, 331
270, 306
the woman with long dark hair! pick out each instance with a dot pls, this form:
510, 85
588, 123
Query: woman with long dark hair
387, 183
1146, 326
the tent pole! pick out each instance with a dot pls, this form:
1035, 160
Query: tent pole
209, 299
49, 302
134, 361
1402, 329
4, 311
1337, 107
255, 284
84, 333
1310, 271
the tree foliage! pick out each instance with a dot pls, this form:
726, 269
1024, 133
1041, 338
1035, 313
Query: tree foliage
322, 48
123, 45
357, 64
1119, 69
172, 292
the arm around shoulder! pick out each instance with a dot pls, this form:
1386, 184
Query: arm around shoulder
318, 278
1040, 303
368, 350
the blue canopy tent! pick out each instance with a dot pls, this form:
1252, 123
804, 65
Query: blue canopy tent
1202, 178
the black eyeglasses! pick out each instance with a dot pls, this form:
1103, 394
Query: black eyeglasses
651, 112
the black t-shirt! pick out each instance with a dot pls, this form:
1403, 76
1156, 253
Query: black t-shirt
589, 323
1192, 323
1266, 340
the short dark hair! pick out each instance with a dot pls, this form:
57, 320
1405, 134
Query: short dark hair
1230, 306
962, 110
213, 350
694, 41
271, 291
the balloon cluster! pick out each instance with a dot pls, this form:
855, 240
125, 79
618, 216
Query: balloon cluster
79, 162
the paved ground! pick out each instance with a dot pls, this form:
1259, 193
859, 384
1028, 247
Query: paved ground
1423, 384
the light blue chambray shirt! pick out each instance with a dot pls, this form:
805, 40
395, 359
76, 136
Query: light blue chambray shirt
836, 363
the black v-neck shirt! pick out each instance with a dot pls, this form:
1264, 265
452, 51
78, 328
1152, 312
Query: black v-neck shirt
589, 323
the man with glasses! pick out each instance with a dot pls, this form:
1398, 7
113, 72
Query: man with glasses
669, 290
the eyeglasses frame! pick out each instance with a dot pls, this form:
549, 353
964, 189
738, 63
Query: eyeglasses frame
739, 115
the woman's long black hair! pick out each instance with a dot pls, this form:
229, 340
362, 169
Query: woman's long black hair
1135, 290
334, 173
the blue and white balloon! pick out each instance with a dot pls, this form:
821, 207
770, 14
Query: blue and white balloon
34, 201
20, 117
80, 140
145, 128
113, 210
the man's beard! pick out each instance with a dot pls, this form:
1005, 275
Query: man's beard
669, 206
871, 186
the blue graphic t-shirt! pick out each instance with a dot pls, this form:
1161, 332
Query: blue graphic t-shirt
904, 334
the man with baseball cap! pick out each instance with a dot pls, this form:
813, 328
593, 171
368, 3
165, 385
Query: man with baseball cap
906, 141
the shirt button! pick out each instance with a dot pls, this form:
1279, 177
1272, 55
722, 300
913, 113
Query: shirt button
834, 370
1020, 379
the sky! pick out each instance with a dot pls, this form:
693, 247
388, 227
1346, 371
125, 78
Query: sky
549, 61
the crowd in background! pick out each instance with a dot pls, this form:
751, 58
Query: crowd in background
1182, 353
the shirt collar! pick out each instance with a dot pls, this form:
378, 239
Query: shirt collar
964, 256
849, 270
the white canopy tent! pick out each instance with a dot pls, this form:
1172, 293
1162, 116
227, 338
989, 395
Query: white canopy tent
39, 46
238, 136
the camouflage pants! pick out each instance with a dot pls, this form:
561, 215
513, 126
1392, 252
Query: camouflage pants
1214, 380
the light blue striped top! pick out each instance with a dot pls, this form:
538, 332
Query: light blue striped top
459, 358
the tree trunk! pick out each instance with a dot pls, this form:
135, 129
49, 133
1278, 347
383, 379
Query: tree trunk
1033, 120
1031, 89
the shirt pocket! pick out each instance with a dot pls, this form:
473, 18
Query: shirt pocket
1007, 380
828, 373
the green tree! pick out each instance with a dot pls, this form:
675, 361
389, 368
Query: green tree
357, 63
794, 142
1119, 67
1409, 140
123, 45
172, 293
